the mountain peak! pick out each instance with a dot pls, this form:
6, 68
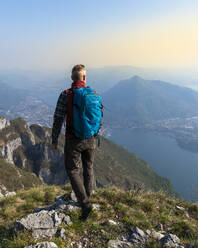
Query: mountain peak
137, 78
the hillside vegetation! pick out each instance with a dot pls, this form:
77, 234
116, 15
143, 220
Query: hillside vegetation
113, 164
14, 178
146, 210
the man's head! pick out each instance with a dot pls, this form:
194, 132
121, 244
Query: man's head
78, 73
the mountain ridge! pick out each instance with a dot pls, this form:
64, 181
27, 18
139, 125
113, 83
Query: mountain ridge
142, 101
113, 164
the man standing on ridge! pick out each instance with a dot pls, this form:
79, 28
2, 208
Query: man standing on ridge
82, 109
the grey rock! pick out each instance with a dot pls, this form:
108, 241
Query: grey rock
179, 208
3, 188
96, 206
138, 238
8, 149
43, 224
58, 197
44, 233
10, 193
43, 245
45, 174
61, 233
170, 240
4, 123
79, 245
157, 235
160, 227
83, 244
119, 244
27, 137
65, 218
60, 205
44, 219
138, 231
72, 206
148, 232
112, 222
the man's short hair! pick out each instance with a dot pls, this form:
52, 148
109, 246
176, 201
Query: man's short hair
78, 71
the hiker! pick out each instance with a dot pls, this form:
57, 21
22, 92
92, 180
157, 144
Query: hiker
83, 121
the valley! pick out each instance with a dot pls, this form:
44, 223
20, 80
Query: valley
138, 117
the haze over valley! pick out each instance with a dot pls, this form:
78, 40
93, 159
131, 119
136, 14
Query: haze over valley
136, 110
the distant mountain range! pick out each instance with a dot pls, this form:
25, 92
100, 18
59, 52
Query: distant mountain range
23, 103
10, 96
137, 100
29, 149
48, 84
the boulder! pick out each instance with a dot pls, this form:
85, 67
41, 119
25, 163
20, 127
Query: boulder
138, 238
179, 208
112, 222
61, 233
43, 224
43, 245
156, 235
10, 193
170, 240
119, 244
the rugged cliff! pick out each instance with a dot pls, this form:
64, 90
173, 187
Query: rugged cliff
29, 149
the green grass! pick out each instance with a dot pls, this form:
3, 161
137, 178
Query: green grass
143, 209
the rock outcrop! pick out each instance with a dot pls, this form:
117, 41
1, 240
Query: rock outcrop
170, 240
29, 149
138, 238
43, 245
4, 192
7, 152
4, 123
44, 222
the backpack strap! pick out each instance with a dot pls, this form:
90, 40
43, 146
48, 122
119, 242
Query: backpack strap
69, 108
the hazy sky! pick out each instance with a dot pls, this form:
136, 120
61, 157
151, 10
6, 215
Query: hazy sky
55, 34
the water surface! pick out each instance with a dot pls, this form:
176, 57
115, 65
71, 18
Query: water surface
164, 156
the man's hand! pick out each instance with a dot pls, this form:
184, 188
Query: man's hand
54, 147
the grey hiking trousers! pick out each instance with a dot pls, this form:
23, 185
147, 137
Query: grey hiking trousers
77, 150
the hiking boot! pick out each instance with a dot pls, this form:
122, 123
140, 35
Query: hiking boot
65, 197
86, 213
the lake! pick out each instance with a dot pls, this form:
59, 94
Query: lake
164, 156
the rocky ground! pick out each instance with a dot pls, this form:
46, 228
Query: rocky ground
48, 217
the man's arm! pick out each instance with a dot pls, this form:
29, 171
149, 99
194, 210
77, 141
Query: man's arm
101, 122
59, 117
